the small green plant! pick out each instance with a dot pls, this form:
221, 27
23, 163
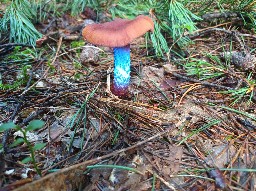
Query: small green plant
32, 126
76, 44
116, 135
247, 91
21, 79
80, 119
20, 54
22, 58
247, 8
203, 69
77, 65
208, 125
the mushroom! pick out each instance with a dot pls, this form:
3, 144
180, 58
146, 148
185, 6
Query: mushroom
118, 34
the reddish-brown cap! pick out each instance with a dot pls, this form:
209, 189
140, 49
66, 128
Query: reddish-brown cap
119, 32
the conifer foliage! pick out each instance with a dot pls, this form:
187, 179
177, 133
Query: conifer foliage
17, 21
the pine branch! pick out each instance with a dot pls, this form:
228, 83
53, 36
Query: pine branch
17, 21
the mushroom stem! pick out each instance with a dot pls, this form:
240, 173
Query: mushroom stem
122, 70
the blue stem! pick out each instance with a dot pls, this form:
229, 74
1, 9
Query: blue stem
122, 70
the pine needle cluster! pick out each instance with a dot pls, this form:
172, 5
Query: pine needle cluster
172, 18
17, 21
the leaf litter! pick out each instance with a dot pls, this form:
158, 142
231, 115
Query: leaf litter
203, 147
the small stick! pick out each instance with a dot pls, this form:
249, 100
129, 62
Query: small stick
92, 161
203, 83
14, 44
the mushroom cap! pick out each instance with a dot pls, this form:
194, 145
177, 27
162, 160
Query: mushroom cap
119, 32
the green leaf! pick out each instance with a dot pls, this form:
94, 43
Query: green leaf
7, 126
39, 146
17, 142
26, 160
35, 124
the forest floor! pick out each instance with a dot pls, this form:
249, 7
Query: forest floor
180, 128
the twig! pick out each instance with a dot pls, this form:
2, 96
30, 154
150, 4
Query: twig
80, 47
14, 44
29, 60
210, 29
203, 83
9, 47
197, 32
114, 153
30, 117
49, 25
